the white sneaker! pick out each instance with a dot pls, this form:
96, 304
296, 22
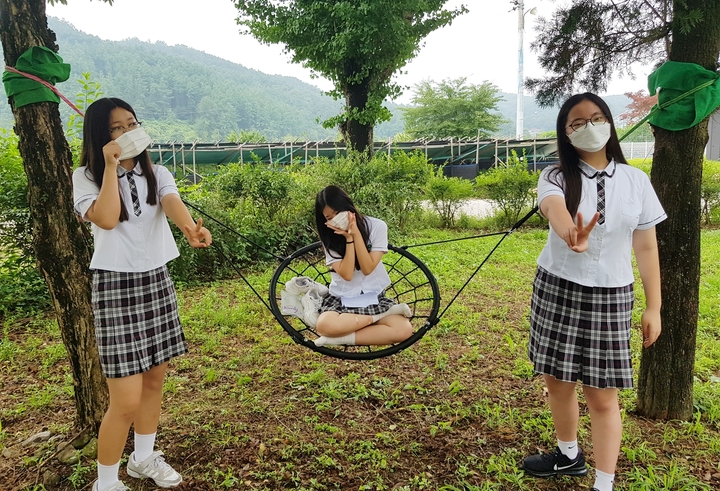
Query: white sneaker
291, 304
311, 303
302, 284
118, 486
155, 468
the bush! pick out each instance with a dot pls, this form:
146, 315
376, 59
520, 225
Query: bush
710, 192
447, 195
387, 187
22, 289
512, 188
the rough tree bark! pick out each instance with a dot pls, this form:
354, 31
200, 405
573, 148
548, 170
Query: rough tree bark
359, 136
60, 241
665, 385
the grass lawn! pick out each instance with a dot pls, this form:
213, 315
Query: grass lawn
249, 409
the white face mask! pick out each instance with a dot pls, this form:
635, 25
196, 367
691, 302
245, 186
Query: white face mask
132, 143
340, 221
591, 138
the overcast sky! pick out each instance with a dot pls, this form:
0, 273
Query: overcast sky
481, 45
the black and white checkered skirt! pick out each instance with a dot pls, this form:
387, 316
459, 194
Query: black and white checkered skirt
334, 304
581, 333
137, 325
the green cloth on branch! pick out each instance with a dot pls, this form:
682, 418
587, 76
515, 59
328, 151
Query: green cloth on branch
42, 62
674, 79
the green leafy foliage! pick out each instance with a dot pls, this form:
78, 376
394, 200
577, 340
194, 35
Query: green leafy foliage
586, 42
710, 192
453, 108
272, 206
447, 195
510, 187
339, 40
21, 286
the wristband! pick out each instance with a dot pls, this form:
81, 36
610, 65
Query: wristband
351, 242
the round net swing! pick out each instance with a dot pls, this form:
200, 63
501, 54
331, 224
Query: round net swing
412, 283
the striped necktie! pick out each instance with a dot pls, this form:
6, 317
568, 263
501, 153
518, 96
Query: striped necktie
601, 196
133, 193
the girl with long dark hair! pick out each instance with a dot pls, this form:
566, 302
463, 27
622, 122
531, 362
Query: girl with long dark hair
128, 200
583, 290
356, 312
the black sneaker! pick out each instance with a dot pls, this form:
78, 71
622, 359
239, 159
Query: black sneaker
555, 463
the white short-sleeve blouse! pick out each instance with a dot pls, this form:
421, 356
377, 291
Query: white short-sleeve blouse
376, 281
139, 244
630, 204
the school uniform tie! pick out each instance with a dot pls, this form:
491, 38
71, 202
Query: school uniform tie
133, 193
600, 179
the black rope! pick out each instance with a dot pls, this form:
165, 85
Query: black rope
237, 270
190, 205
504, 235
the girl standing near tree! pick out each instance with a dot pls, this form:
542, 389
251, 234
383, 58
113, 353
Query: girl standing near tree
128, 201
583, 290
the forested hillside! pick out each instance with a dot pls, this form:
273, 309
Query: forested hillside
183, 94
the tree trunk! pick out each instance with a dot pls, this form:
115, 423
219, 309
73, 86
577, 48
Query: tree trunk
665, 385
60, 241
359, 136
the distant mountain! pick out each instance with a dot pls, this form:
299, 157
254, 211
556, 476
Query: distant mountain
185, 95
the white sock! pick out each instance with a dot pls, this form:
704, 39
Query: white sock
398, 308
144, 446
569, 449
604, 481
107, 475
348, 339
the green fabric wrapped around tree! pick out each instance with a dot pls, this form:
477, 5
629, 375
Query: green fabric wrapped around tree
42, 62
674, 79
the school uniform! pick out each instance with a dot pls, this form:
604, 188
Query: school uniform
134, 302
363, 294
582, 302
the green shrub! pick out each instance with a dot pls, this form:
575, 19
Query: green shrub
22, 289
447, 195
389, 187
710, 191
512, 188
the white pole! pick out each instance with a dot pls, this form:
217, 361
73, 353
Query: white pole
521, 27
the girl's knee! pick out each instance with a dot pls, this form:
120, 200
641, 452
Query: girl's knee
324, 326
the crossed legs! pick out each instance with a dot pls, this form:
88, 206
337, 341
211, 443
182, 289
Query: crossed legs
391, 329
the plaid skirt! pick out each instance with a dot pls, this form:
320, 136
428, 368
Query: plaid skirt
581, 333
137, 325
334, 304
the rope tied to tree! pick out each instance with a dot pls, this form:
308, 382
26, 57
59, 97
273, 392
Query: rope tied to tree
33, 77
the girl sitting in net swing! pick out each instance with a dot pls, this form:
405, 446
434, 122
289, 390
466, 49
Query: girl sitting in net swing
355, 311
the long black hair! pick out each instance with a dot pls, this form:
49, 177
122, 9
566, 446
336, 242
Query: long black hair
338, 200
569, 158
96, 134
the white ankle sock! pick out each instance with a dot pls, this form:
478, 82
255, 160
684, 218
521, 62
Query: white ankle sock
107, 475
348, 339
144, 446
398, 308
569, 449
604, 481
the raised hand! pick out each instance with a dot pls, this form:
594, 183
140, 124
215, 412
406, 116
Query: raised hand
198, 236
577, 237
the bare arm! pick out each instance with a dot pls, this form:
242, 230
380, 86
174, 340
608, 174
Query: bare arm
574, 234
646, 255
105, 210
355, 247
195, 233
